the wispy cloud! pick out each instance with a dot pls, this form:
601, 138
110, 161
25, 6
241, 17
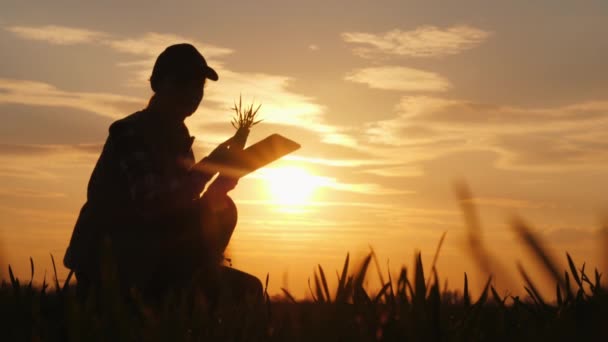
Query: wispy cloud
399, 78
508, 203
147, 44
153, 43
280, 105
424, 41
36, 93
60, 35
44, 162
571, 136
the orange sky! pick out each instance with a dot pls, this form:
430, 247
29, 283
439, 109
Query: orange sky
392, 101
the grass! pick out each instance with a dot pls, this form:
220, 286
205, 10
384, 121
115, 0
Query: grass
411, 307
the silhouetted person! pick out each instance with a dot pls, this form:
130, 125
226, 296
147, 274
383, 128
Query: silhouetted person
144, 206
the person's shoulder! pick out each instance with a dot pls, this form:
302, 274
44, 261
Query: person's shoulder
128, 126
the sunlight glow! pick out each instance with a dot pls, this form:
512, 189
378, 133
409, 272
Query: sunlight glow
292, 188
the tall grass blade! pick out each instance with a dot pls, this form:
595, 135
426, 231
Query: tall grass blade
360, 275
319, 291
568, 290
473, 225
314, 299
324, 283
57, 287
341, 291
436, 256
484, 294
44, 284
466, 296
391, 288
266, 287
66, 283
574, 271
289, 295
381, 293
535, 293
534, 244
419, 282
378, 268
31, 273
14, 280
402, 284
560, 301
497, 297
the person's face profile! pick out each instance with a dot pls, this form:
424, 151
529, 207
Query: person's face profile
185, 97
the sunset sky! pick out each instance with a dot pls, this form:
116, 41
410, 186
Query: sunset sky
392, 101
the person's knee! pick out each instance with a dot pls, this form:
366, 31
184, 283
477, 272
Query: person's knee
242, 282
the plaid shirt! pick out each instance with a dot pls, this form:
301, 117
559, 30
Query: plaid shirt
143, 175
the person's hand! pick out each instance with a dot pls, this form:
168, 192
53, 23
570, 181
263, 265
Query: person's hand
223, 184
222, 153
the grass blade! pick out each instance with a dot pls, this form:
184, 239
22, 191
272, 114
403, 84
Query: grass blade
378, 268
66, 283
535, 293
320, 295
289, 295
57, 287
466, 297
574, 271
14, 281
419, 284
341, 291
436, 256
324, 282
484, 294
534, 244
360, 275
381, 293
31, 273
496, 297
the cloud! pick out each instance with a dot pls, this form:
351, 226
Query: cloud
565, 137
59, 35
280, 105
509, 203
40, 162
424, 41
36, 93
153, 43
41, 150
399, 78
147, 44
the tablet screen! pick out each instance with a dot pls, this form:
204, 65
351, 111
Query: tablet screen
262, 153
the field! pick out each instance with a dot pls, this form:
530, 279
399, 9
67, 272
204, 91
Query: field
413, 307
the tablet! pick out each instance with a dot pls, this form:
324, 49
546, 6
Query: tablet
261, 154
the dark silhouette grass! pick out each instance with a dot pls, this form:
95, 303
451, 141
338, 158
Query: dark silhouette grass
412, 307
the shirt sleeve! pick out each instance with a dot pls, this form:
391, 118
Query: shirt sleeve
152, 190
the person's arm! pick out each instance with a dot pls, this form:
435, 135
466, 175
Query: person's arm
151, 192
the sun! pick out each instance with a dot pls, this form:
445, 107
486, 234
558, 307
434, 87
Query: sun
292, 187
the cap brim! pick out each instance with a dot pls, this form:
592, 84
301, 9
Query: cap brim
211, 74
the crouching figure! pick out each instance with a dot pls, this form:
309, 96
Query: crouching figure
144, 205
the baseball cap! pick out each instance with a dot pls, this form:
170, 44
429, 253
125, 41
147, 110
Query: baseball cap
183, 63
